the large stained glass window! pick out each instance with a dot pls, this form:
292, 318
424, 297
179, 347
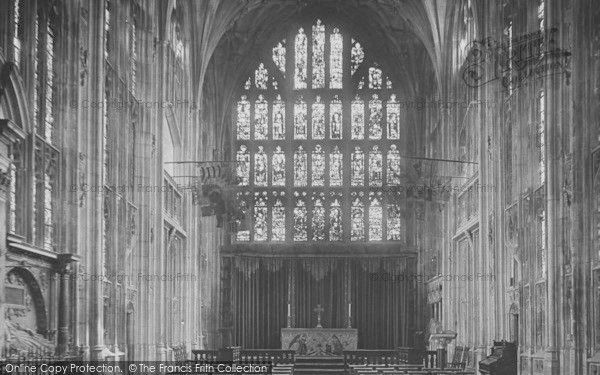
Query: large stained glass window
315, 148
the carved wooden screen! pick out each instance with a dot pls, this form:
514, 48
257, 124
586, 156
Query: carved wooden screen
318, 130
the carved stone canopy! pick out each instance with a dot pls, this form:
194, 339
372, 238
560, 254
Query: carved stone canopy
10, 132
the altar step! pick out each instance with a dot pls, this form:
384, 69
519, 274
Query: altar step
319, 366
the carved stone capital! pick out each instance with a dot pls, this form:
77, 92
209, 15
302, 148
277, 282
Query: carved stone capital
64, 264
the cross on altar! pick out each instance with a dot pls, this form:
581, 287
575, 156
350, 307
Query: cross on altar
319, 310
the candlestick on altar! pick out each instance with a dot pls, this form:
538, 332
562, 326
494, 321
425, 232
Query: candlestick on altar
289, 316
349, 315
319, 310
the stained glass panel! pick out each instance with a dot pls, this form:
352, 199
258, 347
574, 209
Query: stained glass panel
243, 233
318, 55
335, 220
261, 119
393, 166
261, 167
300, 119
375, 218
358, 55
279, 55
388, 83
261, 77
318, 167
248, 84
243, 166
300, 167
300, 217
358, 167
394, 224
301, 60
375, 115
336, 170
335, 118
336, 60
358, 118
261, 227
318, 119
318, 217
278, 218
243, 119
357, 212
375, 167
361, 83
278, 119
393, 118
375, 78
278, 167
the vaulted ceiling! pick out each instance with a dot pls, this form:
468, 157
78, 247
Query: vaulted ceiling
407, 36
411, 39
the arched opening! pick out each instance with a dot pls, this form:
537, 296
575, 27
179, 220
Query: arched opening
514, 324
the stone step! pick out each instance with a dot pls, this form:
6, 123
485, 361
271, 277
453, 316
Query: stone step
319, 366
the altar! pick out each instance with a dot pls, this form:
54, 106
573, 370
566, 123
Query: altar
319, 341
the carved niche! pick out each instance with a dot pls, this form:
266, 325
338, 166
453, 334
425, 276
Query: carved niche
24, 315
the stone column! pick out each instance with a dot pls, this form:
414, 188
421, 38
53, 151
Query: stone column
65, 270
10, 133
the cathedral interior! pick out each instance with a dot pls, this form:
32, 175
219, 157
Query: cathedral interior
319, 180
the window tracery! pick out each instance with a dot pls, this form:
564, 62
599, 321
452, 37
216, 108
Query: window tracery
336, 147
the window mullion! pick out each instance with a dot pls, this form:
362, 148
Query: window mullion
290, 98
348, 147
